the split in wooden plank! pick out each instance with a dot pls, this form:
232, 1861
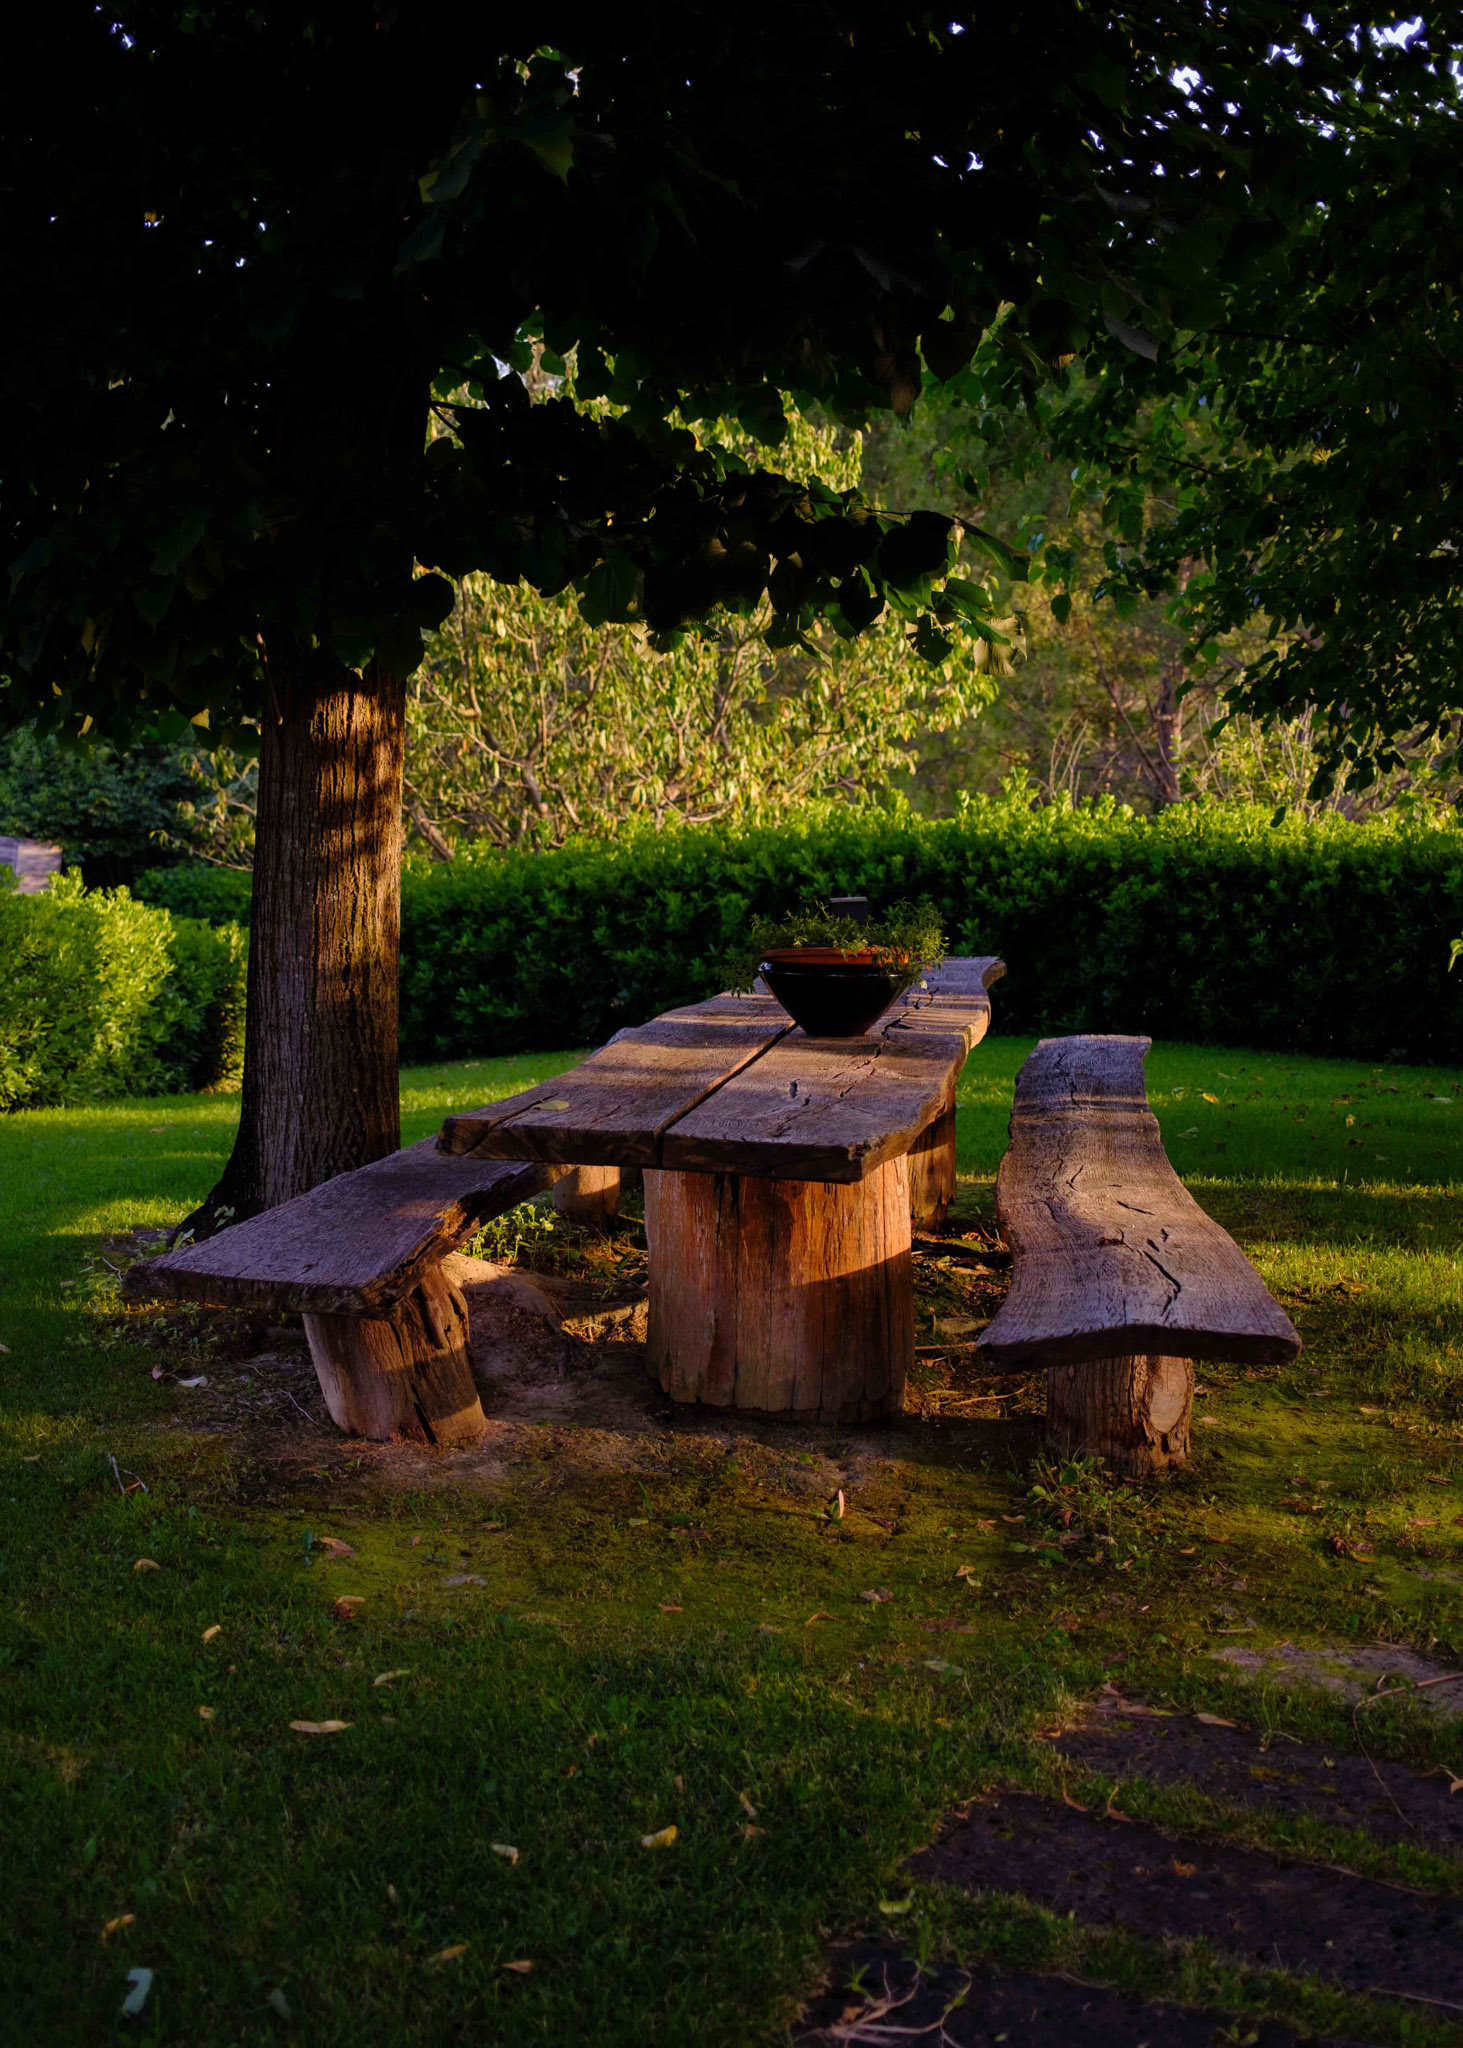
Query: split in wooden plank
1114, 1259
612, 1109
821, 1109
355, 1246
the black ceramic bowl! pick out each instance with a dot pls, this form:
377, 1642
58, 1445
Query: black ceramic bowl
832, 994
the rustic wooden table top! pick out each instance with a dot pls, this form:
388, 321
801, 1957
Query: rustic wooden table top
733, 1086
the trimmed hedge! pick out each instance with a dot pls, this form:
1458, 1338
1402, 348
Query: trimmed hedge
1208, 922
102, 996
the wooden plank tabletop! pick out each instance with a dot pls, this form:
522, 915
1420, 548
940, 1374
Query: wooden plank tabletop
613, 1108
730, 1085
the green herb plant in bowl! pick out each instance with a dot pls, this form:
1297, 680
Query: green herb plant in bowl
837, 975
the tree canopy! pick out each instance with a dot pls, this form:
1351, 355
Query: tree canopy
246, 248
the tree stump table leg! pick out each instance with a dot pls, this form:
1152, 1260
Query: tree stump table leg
407, 1374
1131, 1412
932, 1173
588, 1194
786, 1298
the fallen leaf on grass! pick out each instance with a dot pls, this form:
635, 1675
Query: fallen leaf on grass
147, 1564
198, 1380
838, 1505
390, 1677
159, 1372
1214, 1721
505, 1850
344, 1609
1346, 1546
206, 1713
965, 1571
415, 1541
1068, 1800
448, 1955
4, 1347
1183, 1869
670, 1607
210, 1633
115, 1926
333, 1547
663, 1838
1013, 1518
1364, 1410
522, 1966
749, 1832
876, 1595
319, 1727
896, 1906
819, 1616
464, 1579
943, 1668
985, 1527
136, 1999
747, 1807
1422, 1521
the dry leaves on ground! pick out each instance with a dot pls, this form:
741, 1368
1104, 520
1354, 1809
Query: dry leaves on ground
663, 1838
319, 1727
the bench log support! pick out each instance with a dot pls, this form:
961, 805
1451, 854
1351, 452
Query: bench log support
1131, 1412
786, 1298
932, 1173
407, 1374
588, 1195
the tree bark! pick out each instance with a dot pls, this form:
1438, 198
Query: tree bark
932, 1173
789, 1298
1131, 1412
320, 1080
408, 1374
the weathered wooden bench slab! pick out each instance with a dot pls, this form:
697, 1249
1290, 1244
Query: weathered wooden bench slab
360, 1257
1120, 1279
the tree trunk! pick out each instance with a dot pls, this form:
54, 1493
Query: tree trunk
320, 1081
1131, 1412
408, 1374
932, 1173
789, 1298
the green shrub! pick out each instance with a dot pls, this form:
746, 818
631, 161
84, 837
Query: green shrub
102, 996
1208, 922
196, 889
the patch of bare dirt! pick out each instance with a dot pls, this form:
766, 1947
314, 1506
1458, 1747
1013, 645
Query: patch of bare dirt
878, 1995
1257, 1768
1268, 1911
1353, 1672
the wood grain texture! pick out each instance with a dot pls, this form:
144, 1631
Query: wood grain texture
781, 1297
354, 1246
1133, 1413
612, 1109
1113, 1256
408, 1374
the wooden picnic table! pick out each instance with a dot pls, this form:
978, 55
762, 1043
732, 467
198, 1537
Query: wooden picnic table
780, 1174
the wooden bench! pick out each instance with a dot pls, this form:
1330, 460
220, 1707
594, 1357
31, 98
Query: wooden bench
1120, 1279
360, 1258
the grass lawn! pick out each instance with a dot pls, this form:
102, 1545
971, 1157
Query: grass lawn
641, 1651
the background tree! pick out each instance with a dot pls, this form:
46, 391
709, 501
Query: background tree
248, 251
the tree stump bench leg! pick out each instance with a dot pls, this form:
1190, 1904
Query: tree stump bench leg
1132, 1412
407, 1374
785, 1298
932, 1173
588, 1194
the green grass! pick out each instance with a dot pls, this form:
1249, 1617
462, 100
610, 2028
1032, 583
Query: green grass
562, 1711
